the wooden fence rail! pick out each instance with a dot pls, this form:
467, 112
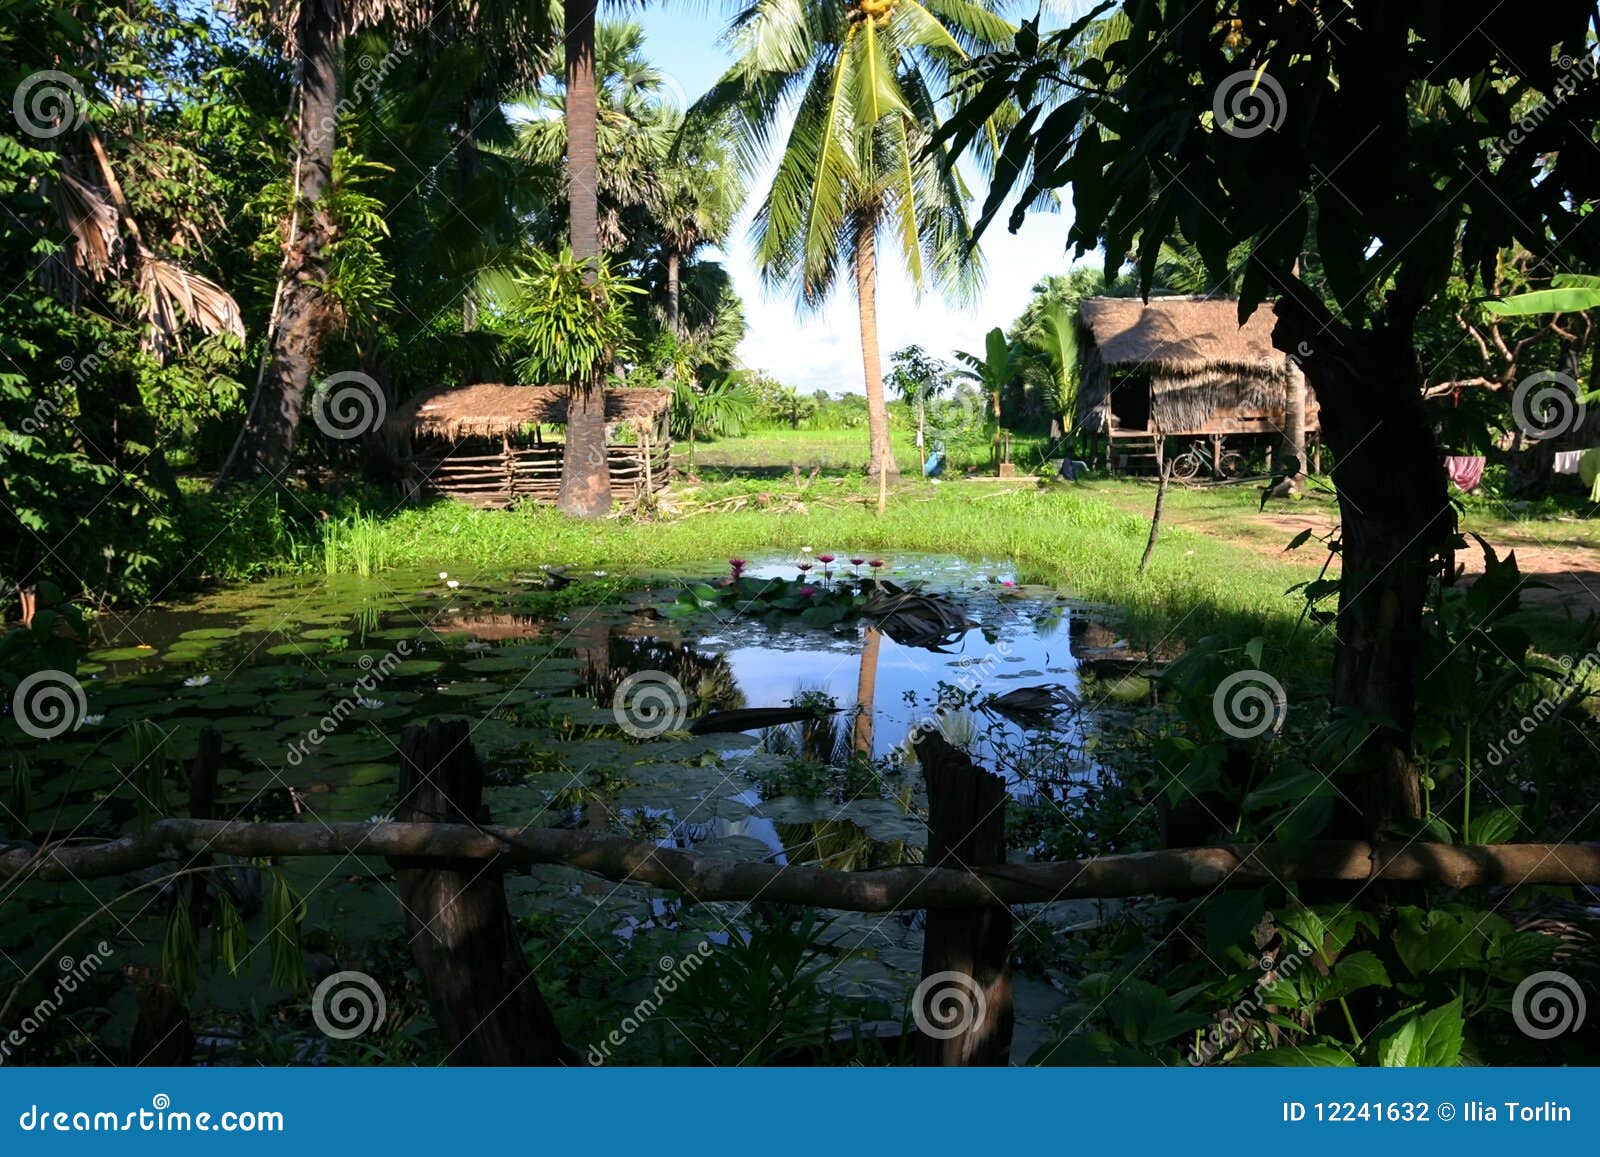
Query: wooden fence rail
448, 860
697, 877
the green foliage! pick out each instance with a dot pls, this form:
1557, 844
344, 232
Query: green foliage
813, 601
568, 318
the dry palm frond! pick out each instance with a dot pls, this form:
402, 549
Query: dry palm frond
915, 619
1032, 701
168, 289
91, 220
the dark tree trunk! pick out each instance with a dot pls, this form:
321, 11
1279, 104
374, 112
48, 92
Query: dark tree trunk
306, 315
1164, 470
1396, 525
966, 1014
585, 478
673, 292
482, 992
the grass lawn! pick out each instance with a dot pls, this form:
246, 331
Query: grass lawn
1220, 564
1065, 535
774, 452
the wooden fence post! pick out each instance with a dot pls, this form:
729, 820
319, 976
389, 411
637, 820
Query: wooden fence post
482, 992
965, 994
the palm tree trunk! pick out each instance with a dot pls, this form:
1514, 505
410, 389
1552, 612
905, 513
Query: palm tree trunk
1294, 441
673, 291
305, 315
866, 692
866, 262
585, 477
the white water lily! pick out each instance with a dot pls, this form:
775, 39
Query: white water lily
375, 820
444, 574
91, 720
368, 704
477, 645
599, 574
452, 584
197, 680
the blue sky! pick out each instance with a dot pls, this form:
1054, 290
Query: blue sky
822, 350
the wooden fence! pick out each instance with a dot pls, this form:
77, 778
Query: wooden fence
449, 859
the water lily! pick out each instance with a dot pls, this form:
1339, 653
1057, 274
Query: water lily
91, 720
197, 680
444, 574
875, 563
368, 704
807, 592
376, 820
805, 566
1007, 583
736, 566
825, 558
805, 550
452, 584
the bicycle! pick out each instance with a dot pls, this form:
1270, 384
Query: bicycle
1187, 466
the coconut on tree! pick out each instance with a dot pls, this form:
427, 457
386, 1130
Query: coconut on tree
856, 166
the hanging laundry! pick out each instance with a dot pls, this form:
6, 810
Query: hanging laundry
1566, 461
1466, 471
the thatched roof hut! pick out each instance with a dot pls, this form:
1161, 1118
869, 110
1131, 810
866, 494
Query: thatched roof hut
485, 443
1180, 365
493, 410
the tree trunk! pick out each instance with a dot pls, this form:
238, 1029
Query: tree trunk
866, 692
585, 479
466, 945
1396, 522
1294, 434
866, 262
965, 1013
1164, 469
673, 291
305, 314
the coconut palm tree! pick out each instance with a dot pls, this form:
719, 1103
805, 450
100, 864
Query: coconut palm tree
857, 163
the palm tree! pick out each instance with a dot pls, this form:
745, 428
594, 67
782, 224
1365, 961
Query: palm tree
699, 197
858, 161
993, 371
634, 135
303, 315
1054, 342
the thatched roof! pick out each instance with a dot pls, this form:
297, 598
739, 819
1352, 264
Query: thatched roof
1192, 355
1182, 336
490, 410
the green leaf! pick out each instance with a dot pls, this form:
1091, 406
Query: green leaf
1354, 972
1495, 827
1299, 1056
1421, 1039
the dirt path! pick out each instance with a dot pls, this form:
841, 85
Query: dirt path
1567, 568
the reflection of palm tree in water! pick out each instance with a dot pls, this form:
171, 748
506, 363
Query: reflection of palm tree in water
707, 680
866, 689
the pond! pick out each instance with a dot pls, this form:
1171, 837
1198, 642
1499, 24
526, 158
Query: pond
311, 681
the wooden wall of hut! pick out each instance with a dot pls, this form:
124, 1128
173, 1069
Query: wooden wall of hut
479, 472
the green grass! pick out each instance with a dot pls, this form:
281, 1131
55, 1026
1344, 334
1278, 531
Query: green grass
774, 452
1066, 535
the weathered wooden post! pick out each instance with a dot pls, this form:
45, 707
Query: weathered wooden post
482, 992
963, 1005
